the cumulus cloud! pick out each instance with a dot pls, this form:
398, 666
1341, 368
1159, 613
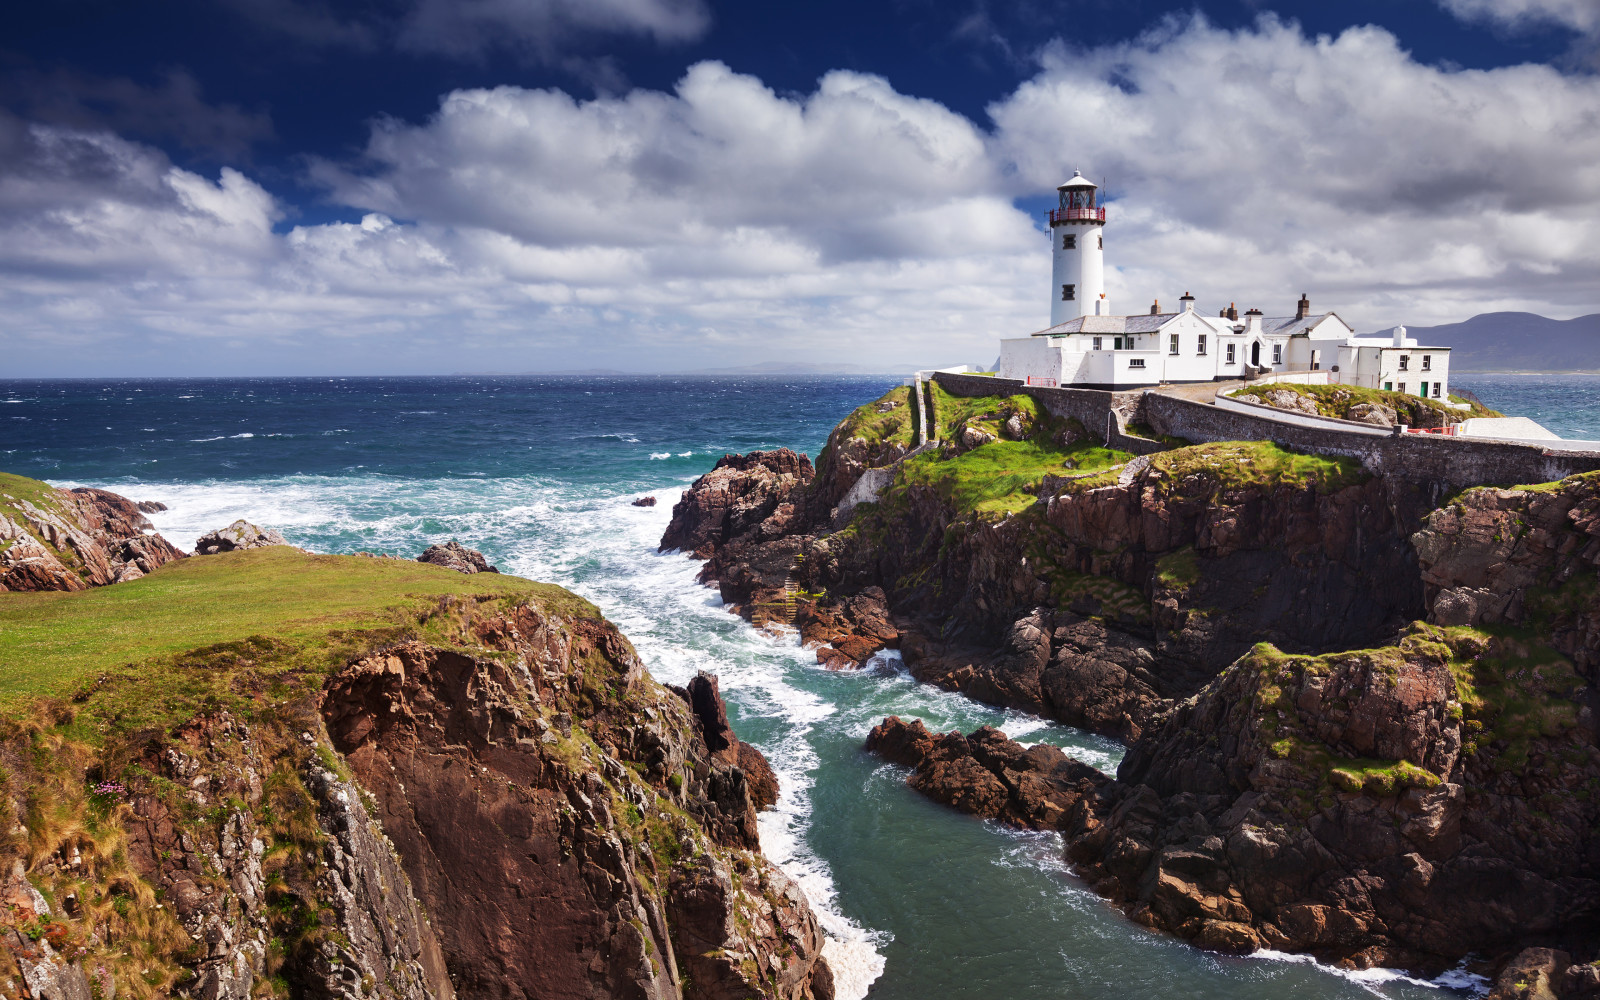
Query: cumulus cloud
1258, 163
722, 222
1580, 15
719, 220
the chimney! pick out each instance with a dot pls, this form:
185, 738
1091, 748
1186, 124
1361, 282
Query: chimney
1102, 305
1233, 312
1304, 309
1399, 336
1187, 303
1252, 319
1155, 308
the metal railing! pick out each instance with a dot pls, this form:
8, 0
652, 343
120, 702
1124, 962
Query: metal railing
1077, 215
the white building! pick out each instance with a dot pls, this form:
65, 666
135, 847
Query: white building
1088, 347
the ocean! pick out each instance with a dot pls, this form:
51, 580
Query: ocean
539, 473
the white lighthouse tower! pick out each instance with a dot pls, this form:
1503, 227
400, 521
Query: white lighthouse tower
1079, 253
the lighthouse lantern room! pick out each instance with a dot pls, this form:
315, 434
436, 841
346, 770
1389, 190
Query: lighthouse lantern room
1079, 252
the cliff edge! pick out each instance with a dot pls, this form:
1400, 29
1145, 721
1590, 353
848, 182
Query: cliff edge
272, 773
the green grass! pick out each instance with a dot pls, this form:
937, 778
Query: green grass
16, 489
276, 604
1336, 401
1205, 471
997, 478
41, 495
891, 427
1232, 465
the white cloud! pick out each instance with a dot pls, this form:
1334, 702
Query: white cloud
724, 223
1256, 164
1580, 15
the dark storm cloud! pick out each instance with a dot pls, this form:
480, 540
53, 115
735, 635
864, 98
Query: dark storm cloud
171, 110
541, 30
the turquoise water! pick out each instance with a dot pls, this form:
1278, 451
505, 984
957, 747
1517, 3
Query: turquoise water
918, 901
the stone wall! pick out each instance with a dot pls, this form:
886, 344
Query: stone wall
1449, 463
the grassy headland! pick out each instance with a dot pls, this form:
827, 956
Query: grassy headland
186, 635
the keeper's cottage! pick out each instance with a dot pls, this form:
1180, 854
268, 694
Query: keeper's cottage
1088, 347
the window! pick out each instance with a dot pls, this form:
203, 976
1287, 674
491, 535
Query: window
1389, 387
1099, 242
1202, 349
1097, 344
1402, 387
1405, 361
1172, 345
1230, 354
1069, 242
1117, 343
1316, 361
1068, 292
1134, 362
1427, 362
1277, 351
1436, 386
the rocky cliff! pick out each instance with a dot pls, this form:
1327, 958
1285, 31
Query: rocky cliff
54, 539
1405, 805
1027, 567
1359, 726
478, 792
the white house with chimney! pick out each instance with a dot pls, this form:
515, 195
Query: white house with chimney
1088, 347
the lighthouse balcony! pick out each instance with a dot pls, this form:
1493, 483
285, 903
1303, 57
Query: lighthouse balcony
1058, 216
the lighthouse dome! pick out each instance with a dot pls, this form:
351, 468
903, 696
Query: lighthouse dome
1078, 181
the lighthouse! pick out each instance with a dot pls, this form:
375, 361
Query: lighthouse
1078, 255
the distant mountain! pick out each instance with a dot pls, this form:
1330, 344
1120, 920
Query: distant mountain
1517, 342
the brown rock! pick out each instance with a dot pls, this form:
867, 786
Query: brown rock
237, 536
738, 495
81, 538
454, 555
1535, 974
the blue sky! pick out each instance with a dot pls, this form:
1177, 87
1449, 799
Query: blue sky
425, 186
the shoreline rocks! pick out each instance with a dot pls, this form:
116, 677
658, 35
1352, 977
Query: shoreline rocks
454, 555
236, 537
76, 539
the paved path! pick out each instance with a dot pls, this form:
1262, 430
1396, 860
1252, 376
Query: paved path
1200, 392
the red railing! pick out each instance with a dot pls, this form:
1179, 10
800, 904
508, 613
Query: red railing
1077, 215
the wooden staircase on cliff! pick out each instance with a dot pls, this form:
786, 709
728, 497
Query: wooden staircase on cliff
789, 603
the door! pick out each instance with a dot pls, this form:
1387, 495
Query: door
1255, 354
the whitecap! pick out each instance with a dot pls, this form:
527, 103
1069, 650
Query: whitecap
1457, 979
246, 434
659, 455
204, 440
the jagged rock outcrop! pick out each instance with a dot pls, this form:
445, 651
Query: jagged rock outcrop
74, 539
454, 555
236, 537
238, 858
1508, 557
987, 774
743, 495
1397, 806
711, 714
566, 824
373, 938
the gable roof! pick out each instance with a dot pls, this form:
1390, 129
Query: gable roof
1110, 324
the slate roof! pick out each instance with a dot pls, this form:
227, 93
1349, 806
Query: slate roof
1110, 324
